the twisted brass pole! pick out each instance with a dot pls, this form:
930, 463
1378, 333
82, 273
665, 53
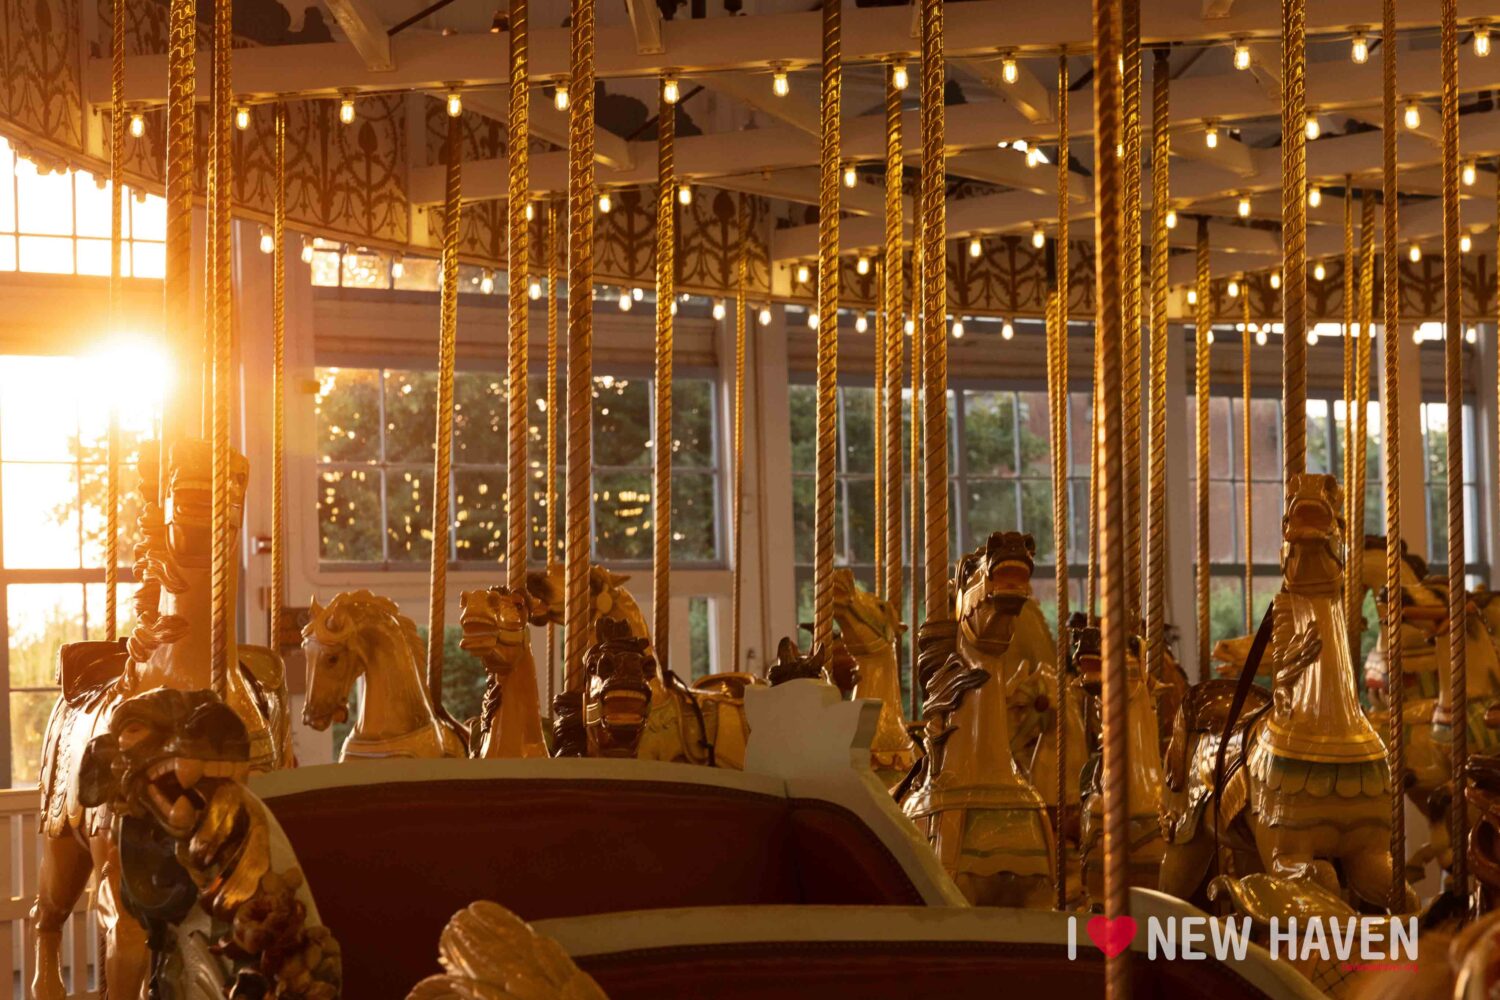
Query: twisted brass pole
1131, 233
553, 252
877, 425
221, 290
1057, 393
1202, 331
661, 397
895, 341
918, 391
579, 600
179, 417
742, 231
1109, 338
116, 291
1391, 410
1352, 565
828, 331
1364, 344
1245, 427
278, 381
934, 309
1453, 386
443, 435
518, 313
1294, 235
1156, 532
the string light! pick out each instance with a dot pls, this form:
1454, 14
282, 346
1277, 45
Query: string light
719, 309
1038, 237
861, 324
242, 118
899, 78
1233, 289
530, 211
560, 95
804, 275
398, 264
605, 203
851, 178
684, 194
1009, 71
1210, 337
780, 85
976, 248
1244, 206
1171, 218
1241, 54
1007, 331
1359, 48
455, 104
672, 308
626, 300
137, 124
1416, 336
958, 329
812, 319
1465, 243
862, 265
1481, 40
1414, 254
534, 290
1413, 115
1319, 271
1314, 196
1192, 296
1471, 335
1275, 280
1211, 135
765, 316
1312, 338
1312, 129
1034, 155
1470, 173
1260, 337
670, 93
638, 293
910, 326
346, 111
267, 243
487, 283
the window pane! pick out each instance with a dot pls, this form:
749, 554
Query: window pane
804, 494
348, 411
418, 274
37, 423
1266, 507
479, 503
149, 260
92, 205
41, 617
1318, 457
1036, 516
622, 515
45, 202
349, 516
1034, 425
803, 401
93, 257
989, 433
47, 254
858, 437
992, 507
480, 423
700, 646
622, 422
29, 711
693, 423
41, 516
410, 416
365, 270
859, 495
94, 494
148, 217
693, 516
408, 501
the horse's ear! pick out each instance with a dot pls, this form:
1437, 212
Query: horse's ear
314, 609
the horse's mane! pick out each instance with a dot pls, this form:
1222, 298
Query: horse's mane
363, 608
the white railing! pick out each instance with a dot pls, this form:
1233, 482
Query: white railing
20, 847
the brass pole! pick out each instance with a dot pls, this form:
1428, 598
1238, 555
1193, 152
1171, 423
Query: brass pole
1294, 235
741, 229
180, 416
518, 312
553, 253
828, 331
1391, 410
918, 381
877, 425
220, 290
1363, 346
278, 382
1202, 331
1352, 564
1109, 339
116, 291
1131, 233
1156, 533
661, 397
1248, 466
443, 435
1057, 370
1453, 386
579, 600
934, 328
895, 341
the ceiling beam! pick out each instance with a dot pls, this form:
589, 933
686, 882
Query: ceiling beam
645, 21
552, 125
362, 26
1028, 95
797, 109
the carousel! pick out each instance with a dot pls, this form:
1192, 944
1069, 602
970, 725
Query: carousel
1063, 791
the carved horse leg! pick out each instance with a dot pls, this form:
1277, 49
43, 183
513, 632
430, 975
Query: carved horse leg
65, 870
1184, 866
1368, 870
1293, 854
124, 938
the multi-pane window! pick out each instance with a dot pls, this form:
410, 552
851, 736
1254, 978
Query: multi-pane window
375, 454
1435, 451
58, 222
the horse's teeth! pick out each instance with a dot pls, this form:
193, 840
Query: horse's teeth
189, 771
182, 813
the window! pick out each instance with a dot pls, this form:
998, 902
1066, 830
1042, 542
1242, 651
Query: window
375, 440
59, 222
1435, 451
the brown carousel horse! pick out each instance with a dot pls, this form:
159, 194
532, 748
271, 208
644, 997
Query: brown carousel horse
361, 636
170, 647
869, 628
496, 629
984, 819
1307, 784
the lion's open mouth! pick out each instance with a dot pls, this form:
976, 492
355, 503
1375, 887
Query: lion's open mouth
175, 793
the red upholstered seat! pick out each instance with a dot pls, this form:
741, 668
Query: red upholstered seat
389, 864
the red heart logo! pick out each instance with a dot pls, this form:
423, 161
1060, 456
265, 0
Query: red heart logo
1112, 936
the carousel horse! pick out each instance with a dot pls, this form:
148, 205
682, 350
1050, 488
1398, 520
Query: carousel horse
496, 629
1169, 686
1309, 785
548, 595
966, 793
870, 628
169, 648
1144, 756
361, 636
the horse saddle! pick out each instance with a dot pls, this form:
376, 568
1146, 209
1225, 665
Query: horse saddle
1206, 707
86, 668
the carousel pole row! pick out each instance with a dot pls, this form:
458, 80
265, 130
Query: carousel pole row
1391, 410
661, 396
1202, 331
1057, 371
828, 330
1453, 386
1248, 466
1293, 236
518, 271
1131, 357
1352, 580
553, 251
1109, 344
877, 429
933, 326
1156, 531
278, 382
579, 600
1364, 344
918, 380
742, 231
116, 292
220, 293
895, 334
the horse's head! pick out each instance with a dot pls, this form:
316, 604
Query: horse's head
1085, 652
545, 589
618, 667
792, 665
190, 481
331, 642
494, 624
864, 619
994, 585
1312, 555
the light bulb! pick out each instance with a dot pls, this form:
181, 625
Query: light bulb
1314, 196
1260, 337
1465, 243
242, 118
862, 265
1471, 335
861, 323
812, 319
719, 310
780, 85
1241, 54
1481, 40
307, 251
638, 293
910, 326
1359, 48
850, 177
669, 92
1192, 296
684, 193
560, 95
1414, 254
803, 274
487, 283
1009, 71
1413, 115
346, 111
137, 124
1469, 173
1019, 145
1275, 279
1038, 238
976, 248
899, 78
530, 211
1033, 155
672, 308
1312, 129
534, 290
1007, 331
1171, 218
605, 204
765, 316
626, 301
1416, 336
398, 265
267, 244
1312, 338
1244, 206
1319, 271
455, 104
958, 329
1210, 336
1211, 135
1233, 289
